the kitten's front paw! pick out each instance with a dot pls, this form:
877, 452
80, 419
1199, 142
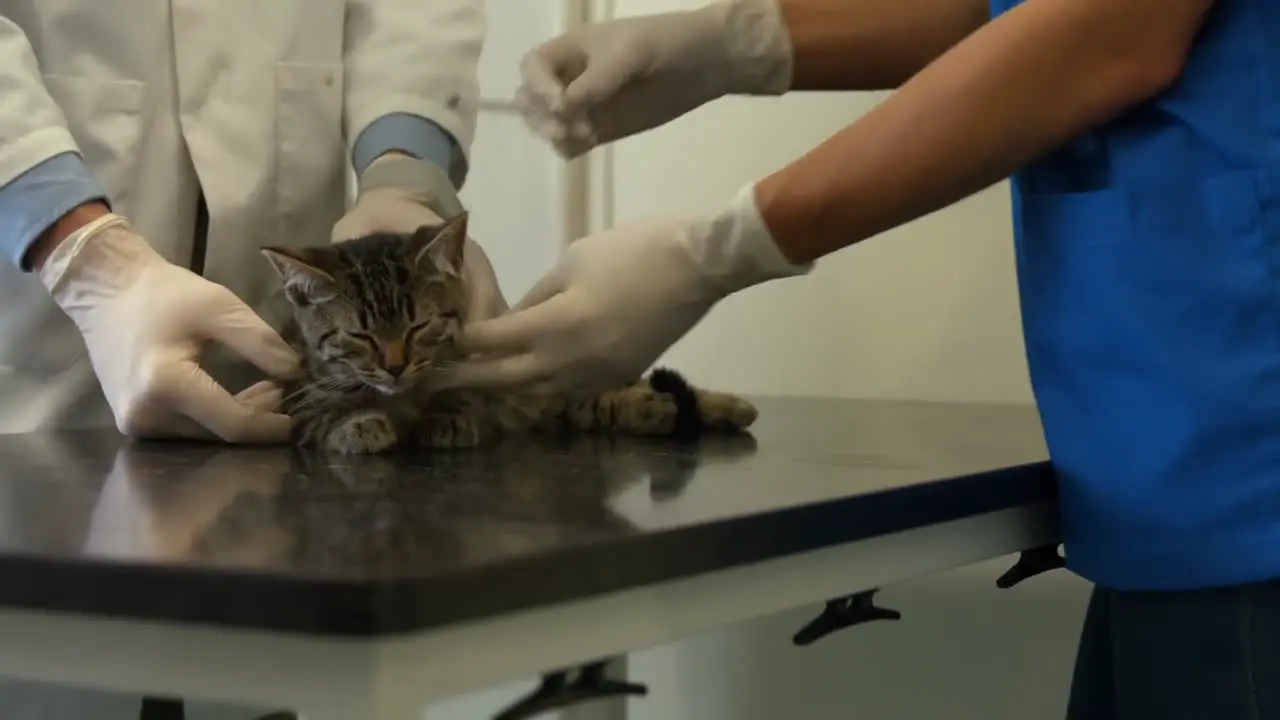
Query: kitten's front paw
450, 431
363, 434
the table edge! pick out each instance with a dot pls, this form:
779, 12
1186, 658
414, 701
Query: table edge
375, 608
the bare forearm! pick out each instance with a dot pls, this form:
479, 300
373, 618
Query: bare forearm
873, 44
1022, 85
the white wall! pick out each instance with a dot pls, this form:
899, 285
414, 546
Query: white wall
515, 189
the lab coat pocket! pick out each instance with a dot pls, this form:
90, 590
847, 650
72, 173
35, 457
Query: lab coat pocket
105, 118
310, 150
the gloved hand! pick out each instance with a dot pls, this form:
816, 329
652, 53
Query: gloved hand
619, 299
144, 321
399, 194
603, 82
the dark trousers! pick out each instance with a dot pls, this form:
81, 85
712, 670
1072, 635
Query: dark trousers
1187, 655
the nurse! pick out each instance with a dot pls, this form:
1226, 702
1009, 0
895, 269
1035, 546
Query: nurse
1143, 142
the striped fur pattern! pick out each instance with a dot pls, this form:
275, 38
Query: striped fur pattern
376, 318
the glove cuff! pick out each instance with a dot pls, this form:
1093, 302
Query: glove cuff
757, 46
422, 181
735, 250
55, 266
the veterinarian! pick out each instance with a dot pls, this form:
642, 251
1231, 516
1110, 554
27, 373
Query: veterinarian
1143, 141
148, 149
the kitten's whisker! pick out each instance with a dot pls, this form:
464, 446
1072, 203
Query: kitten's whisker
335, 380
317, 391
339, 382
300, 391
311, 388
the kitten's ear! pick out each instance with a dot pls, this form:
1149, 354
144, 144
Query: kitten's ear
443, 247
305, 280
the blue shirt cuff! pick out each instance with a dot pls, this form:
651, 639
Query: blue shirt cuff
32, 202
407, 133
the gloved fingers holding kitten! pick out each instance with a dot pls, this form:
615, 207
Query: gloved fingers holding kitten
144, 321
399, 194
618, 299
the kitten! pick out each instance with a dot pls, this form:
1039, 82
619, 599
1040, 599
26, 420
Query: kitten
376, 318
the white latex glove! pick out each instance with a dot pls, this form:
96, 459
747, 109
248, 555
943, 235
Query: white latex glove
144, 322
397, 195
619, 299
603, 82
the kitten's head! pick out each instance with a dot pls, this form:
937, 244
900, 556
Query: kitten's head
381, 310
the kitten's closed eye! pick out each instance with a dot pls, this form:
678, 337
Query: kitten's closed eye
433, 329
452, 318
349, 346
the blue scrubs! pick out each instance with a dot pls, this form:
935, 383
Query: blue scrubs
1148, 257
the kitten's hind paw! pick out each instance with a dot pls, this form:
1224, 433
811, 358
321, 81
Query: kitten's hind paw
699, 411
363, 434
722, 411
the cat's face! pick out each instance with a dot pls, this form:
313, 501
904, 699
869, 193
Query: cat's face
380, 311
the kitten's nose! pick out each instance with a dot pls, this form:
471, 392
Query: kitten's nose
395, 369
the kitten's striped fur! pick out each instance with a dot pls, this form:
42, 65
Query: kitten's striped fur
376, 316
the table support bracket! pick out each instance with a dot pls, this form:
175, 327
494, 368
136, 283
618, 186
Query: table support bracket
157, 708
842, 613
557, 691
1031, 563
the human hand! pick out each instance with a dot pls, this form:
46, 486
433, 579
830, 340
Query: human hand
619, 299
397, 192
604, 82
144, 322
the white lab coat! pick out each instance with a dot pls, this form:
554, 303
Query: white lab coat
254, 102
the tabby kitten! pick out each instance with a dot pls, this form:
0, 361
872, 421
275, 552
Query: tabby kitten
376, 319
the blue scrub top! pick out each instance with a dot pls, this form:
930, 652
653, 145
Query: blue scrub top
1148, 258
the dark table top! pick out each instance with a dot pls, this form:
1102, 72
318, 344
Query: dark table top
277, 539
